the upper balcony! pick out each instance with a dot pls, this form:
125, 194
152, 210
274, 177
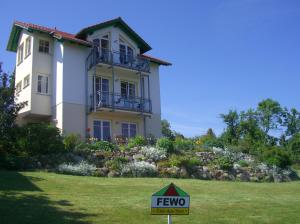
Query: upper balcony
121, 59
103, 99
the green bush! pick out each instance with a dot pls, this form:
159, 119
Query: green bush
181, 144
17, 162
70, 141
116, 163
102, 146
39, 138
276, 156
213, 142
166, 144
243, 163
189, 162
294, 148
137, 141
224, 162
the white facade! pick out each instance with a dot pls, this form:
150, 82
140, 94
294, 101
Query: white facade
91, 99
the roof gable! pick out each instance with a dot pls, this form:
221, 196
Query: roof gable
118, 22
12, 44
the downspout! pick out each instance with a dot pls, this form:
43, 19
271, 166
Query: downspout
144, 118
94, 90
86, 97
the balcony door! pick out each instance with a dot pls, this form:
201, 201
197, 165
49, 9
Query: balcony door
126, 54
102, 91
102, 45
128, 94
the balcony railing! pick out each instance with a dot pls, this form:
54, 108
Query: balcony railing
103, 55
117, 101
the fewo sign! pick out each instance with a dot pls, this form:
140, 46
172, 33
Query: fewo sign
170, 200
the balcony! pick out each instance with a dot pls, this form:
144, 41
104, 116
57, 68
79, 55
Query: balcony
105, 56
116, 101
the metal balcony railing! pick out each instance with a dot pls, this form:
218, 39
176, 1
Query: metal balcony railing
117, 101
103, 55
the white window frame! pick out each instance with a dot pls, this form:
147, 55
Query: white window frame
43, 47
20, 53
27, 46
101, 127
129, 123
128, 89
47, 84
26, 81
127, 45
19, 87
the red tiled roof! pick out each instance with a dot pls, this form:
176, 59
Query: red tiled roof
71, 37
54, 32
156, 60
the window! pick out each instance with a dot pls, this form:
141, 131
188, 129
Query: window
44, 46
102, 46
102, 130
20, 53
42, 86
128, 130
27, 46
102, 91
126, 53
26, 81
127, 89
19, 87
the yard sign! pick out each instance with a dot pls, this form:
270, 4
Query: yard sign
170, 200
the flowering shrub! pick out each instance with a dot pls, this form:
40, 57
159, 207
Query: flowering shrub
153, 153
82, 169
139, 169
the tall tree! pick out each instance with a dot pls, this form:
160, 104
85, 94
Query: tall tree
250, 129
166, 129
269, 114
291, 120
8, 106
232, 120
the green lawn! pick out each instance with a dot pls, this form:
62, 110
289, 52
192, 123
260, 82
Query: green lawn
39, 197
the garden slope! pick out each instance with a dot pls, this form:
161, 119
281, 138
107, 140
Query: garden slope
38, 197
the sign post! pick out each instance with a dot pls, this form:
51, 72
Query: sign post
169, 219
171, 200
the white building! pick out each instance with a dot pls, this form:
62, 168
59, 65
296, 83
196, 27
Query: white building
96, 83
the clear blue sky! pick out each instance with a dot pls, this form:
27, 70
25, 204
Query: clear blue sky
226, 54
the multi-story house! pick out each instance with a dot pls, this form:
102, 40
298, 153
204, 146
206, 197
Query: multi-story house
96, 83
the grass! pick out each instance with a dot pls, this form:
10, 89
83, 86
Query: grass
40, 197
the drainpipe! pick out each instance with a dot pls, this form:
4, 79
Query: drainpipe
113, 82
94, 90
86, 97
144, 118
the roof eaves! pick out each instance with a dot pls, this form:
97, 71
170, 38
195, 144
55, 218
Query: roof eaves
118, 22
156, 60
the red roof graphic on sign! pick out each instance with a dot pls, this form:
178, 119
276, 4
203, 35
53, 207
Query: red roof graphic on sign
171, 190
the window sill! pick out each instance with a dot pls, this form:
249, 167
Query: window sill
26, 86
26, 56
43, 94
19, 63
45, 53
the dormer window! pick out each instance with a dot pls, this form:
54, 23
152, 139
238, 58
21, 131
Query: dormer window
126, 53
102, 46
